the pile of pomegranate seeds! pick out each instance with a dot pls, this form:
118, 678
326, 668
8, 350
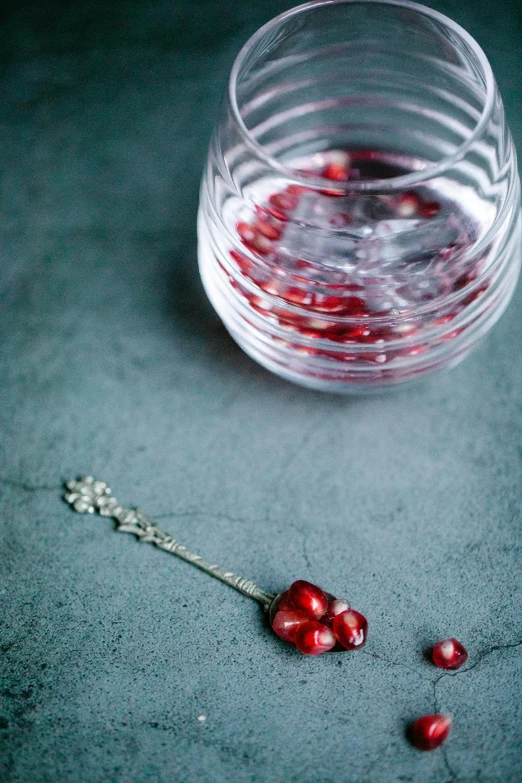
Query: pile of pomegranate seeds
430, 731
449, 654
287, 292
315, 621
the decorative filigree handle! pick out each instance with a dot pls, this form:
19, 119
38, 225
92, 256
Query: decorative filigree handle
88, 496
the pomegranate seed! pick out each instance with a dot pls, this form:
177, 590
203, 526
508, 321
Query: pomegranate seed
409, 204
337, 171
296, 296
259, 304
243, 263
475, 295
349, 305
328, 304
350, 629
449, 654
246, 232
308, 598
261, 245
271, 286
297, 190
268, 230
335, 607
376, 358
253, 239
284, 201
429, 209
462, 281
415, 350
313, 638
338, 606
430, 731
444, 319
287, 622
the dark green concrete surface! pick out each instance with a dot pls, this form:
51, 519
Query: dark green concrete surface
409, 504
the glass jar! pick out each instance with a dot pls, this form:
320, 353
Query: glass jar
359, 220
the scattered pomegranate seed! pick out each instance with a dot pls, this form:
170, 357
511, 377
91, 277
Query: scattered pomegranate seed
287, 622
449, 654
350, 629
313, 638
309, 598
430, 731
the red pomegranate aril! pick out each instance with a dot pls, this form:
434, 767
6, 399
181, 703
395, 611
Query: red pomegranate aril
462, 281
308, 598
445, 319
259, 304
408, 204
296, 296
430, 731
339, 172
475, 295
253, 239
287, 622
335, 607
348, 305
246, 232
271, 286
449, 654
429, 209
313, 638
243, 263
297, 190
284, 201
268, 230
350, 629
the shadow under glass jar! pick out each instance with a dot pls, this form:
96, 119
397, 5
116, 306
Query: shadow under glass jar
359, 220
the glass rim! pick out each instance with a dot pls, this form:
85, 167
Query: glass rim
392, 183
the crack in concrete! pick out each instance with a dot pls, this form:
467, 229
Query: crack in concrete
194, 514
451, 771
305, 553
300, 446
481, 656
436, 708
31, 487
390, 662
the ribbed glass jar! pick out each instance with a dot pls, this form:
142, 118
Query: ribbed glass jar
359, 220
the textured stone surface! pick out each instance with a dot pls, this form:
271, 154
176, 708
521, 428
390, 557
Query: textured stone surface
408, 504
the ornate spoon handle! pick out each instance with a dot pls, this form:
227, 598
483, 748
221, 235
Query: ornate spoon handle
88, 496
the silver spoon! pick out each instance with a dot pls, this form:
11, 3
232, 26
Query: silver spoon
87, 496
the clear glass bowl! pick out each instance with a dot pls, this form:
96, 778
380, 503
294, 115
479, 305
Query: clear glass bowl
359, 220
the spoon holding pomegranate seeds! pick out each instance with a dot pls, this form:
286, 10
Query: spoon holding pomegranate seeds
303, 615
